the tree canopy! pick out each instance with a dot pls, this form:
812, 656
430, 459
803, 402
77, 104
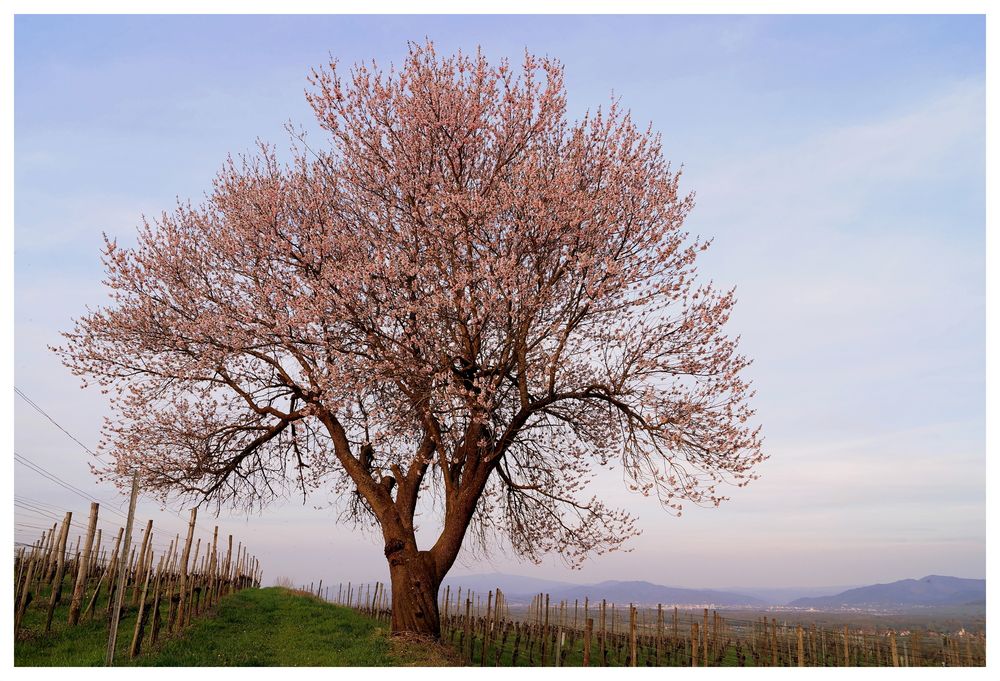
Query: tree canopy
460, 292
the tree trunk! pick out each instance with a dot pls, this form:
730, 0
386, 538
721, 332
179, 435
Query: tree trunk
414, 590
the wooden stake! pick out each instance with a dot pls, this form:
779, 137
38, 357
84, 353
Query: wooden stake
694, 644
179, 620
25, 593
486, 629
81, 570
604, 632
194, 576
632, 643
154, 630
705, 634
109, 658
802, 648
659, 631
105, 575
140, 566
60, 568
140, 621
774, 642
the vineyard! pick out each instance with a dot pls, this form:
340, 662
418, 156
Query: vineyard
490, 632
59, 585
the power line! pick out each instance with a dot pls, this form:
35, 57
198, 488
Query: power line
41, 411
37, 468
158, 540
76, 490
57, 514
39, 502
25, 461
20, 458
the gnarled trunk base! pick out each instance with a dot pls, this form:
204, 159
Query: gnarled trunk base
414, 592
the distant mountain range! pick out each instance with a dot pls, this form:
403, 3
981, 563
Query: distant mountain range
926, 591
787, 594
509, 584
646, 593
519, 589
932, 590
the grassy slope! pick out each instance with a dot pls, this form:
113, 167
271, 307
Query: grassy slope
259, 627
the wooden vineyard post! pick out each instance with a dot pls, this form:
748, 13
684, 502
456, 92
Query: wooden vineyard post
95, 553
60, 568
19, 567
694, 644
170, 563
545, 632
802, 647
892, 649
847, 648
715, 633
50, 536
115, 567
676, 623
604, 633
447, 603
557, 647
25, 593
81, 569
128, 566
76, 557
182, 588
105, 575
774, 642
140, 563
706, 635
486, 629
140, 618
617, 648
191, 585
466, 640
229, 556
155, 615
659, 631
109, 658
632, 643
213, 568
588, 634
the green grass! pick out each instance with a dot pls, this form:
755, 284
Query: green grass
65, 646
255, 627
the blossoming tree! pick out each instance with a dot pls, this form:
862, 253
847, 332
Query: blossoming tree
461, 303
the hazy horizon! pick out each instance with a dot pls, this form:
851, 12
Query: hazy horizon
839, 166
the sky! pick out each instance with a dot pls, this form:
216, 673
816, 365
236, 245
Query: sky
837, 161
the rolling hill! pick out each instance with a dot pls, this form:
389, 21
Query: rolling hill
927, 591
520, 590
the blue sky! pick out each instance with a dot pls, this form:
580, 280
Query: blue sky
838, 162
